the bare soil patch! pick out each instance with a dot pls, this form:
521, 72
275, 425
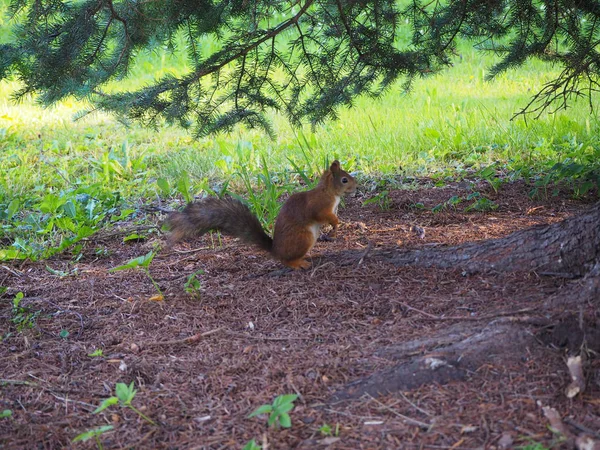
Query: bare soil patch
306, 332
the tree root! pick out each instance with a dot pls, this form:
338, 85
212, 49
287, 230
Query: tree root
449, 356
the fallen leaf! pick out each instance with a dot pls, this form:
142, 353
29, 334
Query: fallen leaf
586, 443
506, 441
329, 440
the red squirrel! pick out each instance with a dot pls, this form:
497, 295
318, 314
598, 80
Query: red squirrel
297, 226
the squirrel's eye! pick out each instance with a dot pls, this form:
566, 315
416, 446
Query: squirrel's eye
344, 180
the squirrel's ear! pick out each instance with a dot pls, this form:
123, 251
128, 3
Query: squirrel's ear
335, 166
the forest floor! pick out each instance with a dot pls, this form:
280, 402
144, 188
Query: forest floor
270, 332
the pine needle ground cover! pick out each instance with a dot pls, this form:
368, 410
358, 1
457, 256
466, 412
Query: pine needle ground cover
211, 353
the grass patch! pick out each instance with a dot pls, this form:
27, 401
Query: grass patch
61, 180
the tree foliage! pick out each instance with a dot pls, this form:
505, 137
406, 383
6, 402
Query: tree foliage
305, 58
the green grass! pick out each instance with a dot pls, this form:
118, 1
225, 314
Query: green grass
60, 180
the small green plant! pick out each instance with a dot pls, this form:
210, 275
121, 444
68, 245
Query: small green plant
278, 410
262, 197
93, 433
164, 187
183, 186
22, 316
382, 200
558, 438
303, 173
327, 430
96, 353
192, 285
251, 445
481, 203
124, 396
5, 414
489, 174
452, 202
142, 262
134, 237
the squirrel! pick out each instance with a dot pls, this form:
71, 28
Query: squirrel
297, 227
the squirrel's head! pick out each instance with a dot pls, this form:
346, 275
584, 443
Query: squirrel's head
342, 182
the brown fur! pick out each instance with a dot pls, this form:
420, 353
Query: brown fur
296, 228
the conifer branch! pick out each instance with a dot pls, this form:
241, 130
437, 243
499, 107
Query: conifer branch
335, 51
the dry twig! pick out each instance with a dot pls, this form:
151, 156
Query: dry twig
407, 419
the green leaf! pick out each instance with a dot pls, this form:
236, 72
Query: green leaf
163, 184
6, 413
124, 214
7, 254
83, 232
92, 433
143, 261
64, 334
284, 420
272, 418
96, 353
51, 203
125, 393
183, 186
487, 172
286, 407
69, 209
222, 165
438, 208
261, 410
286, 398
65, 223
134, 237
585, 187
192, 285
105, 404
12, 209
325, 429
17, 299
251, 445
432, 133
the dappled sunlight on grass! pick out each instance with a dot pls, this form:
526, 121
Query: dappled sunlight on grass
450, 125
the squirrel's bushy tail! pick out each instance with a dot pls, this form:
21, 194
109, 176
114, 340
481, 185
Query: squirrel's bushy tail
227, 215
